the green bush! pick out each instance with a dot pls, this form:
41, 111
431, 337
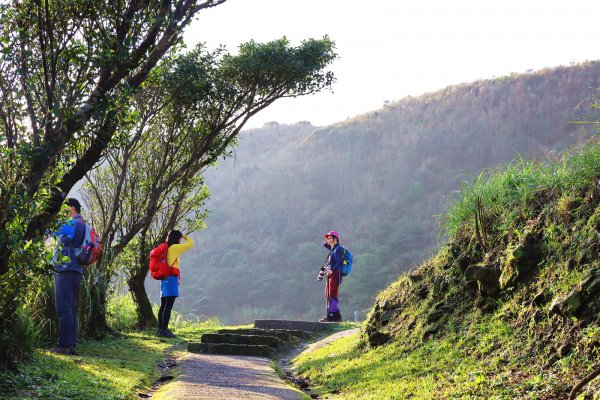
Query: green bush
19, 338
40, 302
121, 312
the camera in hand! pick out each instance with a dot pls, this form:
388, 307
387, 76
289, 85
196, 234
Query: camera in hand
322, 271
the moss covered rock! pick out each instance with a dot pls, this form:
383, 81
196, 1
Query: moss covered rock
568, 305
521, 260
487, 277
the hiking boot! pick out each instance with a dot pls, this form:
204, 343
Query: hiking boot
61, 350
168, 333
73, 352
335, 317
332, 317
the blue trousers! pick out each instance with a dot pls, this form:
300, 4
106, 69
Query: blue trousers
66, 286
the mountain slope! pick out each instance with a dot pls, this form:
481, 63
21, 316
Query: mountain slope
379, 179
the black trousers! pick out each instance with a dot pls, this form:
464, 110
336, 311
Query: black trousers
164, 312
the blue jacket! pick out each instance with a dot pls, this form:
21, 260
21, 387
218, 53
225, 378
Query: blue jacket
70, 236
336, 258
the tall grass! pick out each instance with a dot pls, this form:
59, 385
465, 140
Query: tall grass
20, 337
502, 191
40, 304
121, 312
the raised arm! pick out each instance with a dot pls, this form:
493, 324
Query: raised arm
178, 249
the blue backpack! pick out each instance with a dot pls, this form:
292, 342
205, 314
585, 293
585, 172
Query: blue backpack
347, 261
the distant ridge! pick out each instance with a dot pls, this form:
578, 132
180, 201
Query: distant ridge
478, 84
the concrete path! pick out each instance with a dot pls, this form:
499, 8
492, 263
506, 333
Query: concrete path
210, 376
286, 361
324, 342
219, 377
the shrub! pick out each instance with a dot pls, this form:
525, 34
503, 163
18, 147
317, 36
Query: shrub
19, 338
121, 312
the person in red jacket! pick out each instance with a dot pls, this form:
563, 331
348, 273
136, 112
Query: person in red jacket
334, 276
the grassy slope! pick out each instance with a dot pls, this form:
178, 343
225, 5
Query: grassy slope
439, 332
114, 368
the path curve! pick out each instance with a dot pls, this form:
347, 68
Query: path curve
342, 334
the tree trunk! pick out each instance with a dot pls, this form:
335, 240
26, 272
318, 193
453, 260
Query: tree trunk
4, 256
145, 315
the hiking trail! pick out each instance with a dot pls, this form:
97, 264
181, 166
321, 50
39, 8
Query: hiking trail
232, 376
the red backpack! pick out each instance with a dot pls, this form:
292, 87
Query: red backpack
159, 267
91, 248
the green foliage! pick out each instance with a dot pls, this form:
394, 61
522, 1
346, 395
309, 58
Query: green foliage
27, 298
40, 306
121, 314
68, 70
277, 66
20, 336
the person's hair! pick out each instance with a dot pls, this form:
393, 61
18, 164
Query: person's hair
173, 237
71, 202
337, 239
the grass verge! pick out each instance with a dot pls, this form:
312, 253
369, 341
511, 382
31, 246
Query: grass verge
483, 359
117, 367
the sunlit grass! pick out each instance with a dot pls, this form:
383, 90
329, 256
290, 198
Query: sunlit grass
113, 368
518, 182
109, 369
484, 358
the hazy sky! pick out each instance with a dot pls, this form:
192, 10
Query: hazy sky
393, 48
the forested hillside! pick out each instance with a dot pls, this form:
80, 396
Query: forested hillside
380, 179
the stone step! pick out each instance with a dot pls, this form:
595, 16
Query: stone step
307, 326
230, 349
234, 338
283, 334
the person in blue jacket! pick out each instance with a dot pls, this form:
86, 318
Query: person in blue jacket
67, 278
334, 276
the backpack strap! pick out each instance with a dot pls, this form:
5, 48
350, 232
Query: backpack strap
167, 258
340, 268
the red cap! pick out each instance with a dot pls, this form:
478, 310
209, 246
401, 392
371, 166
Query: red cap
332, 233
